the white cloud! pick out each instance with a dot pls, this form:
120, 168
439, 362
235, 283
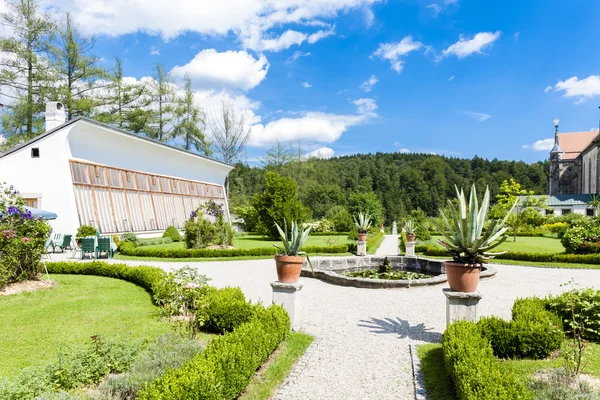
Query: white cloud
366, 106
403, 150
516, 36
435, 8
312, 126
297, 54
465, 46
394, 52
547, 89
286, 40
367, 85
540, 145
248, 20
306, 85
451, 78
476, 115
323, 152
154, 51
583, 89
231, 69
315, 37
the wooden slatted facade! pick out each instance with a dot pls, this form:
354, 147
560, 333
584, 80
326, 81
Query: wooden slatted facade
116, 200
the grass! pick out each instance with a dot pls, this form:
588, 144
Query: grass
118, 256
36, 324
438, 383
526, 244
258, 242
277, 368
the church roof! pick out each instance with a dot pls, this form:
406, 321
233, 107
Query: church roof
574, 143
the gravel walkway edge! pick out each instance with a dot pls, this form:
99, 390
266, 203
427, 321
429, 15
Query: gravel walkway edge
420, 393
300, 366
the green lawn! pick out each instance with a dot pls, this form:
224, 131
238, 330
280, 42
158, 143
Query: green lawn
524, 244
256, 242
277, 368
34, 325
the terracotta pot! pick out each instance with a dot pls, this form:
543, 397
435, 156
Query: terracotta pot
411, 237
362, 237
288, 268
462, 277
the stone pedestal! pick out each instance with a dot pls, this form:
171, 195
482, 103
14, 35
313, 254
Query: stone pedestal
361, 248
287, 295
410, 249
461, 305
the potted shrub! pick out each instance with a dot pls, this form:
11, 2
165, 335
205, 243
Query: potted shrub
363, 223
467, 241
289, 259
410, 228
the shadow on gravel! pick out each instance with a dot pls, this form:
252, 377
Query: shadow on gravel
402, 328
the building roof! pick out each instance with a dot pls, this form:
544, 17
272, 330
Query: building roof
575, 142
566, 200
91, 121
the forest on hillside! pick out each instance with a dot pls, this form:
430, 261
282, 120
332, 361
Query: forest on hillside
401, 182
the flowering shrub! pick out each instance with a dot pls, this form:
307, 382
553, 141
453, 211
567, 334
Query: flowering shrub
201, 232
22, 239
583, 239
320, 226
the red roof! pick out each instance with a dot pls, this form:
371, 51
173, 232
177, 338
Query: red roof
574, 143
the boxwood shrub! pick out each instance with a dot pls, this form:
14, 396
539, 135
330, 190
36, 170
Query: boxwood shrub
225, 368
129, 249
172, 233
533, 332
470, 361
147, 277
225, 310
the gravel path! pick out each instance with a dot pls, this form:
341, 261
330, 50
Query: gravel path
365, 333
389, 246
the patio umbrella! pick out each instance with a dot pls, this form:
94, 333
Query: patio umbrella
40, 213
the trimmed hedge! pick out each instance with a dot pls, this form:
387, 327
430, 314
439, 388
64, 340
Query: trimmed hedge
225, 368
533, 332
225, 310
130, 249
374, 242
521, 256
172, 233
147, 277
470, 361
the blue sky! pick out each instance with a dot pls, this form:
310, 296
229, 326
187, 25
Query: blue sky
452, 77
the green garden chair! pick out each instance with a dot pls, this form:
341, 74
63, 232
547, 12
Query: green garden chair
65, 243
104, 247
88, 245
48, 245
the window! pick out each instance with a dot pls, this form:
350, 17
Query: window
566, 211
549, 211
31, 203
589, 212
35, 152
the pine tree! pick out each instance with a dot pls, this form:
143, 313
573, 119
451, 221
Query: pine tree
191, 122
165, 101
78, 70
26, 75
230, 136
122, 104
277, 156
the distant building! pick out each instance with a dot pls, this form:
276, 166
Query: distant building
90, 173
575, 163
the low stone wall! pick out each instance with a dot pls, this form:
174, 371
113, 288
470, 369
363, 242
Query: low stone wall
330, 269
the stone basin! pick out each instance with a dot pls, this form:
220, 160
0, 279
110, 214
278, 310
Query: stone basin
331, 270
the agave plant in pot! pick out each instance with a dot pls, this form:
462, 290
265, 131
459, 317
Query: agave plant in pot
363, 223
409, 228
468, 240
289, 259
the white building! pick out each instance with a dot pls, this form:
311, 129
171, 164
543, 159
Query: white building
94, 174
563, 204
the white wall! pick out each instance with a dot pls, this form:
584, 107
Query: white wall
97, 144
48, 176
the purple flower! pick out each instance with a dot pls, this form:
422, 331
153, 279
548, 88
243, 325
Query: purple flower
25, 239
193, 214
13, 210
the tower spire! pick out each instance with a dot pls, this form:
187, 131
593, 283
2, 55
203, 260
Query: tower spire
556, 151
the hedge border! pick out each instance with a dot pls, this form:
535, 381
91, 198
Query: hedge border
522, 256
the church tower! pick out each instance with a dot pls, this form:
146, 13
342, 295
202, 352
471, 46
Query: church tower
556, 155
